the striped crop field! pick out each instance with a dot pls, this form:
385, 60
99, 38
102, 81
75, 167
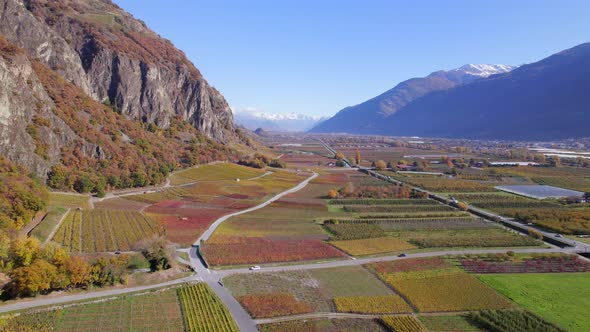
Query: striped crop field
203, 310
104, 230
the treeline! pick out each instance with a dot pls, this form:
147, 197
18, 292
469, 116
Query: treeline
33, 268
36, 269
20, 196
259, 160
380, 192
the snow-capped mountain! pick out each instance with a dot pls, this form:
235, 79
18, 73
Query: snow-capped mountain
253, 119
484, 70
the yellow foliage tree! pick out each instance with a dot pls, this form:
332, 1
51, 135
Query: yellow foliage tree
333, 193
357, 157
23, 250
33, 279
79, 271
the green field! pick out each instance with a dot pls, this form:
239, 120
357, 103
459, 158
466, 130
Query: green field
203, 310
48, 224
69, 200
559, 298
317, 288
214, 172
448, 323
350, 281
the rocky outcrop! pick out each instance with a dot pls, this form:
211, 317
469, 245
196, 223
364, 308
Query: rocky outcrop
30, 133
93, 100
115, 58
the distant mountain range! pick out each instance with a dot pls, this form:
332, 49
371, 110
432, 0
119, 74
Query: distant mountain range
364, 118
544, 100
293, 122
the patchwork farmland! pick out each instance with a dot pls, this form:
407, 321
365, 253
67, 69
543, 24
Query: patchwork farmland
379, 226
208, 192
344, 246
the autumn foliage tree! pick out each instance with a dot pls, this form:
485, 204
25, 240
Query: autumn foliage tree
463, 206
20, 196
333, 193
259, 160
387, 191
535, 233
448, 161
380, 165
357, 157
33, 279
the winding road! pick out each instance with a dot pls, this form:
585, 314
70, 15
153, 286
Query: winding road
212, 278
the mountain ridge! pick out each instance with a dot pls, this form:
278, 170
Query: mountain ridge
543, 100
114, 57
364, 117
93, 100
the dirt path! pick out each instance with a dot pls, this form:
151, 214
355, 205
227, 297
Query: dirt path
318, 315
242, 318
260, 176
39, 216
52, 234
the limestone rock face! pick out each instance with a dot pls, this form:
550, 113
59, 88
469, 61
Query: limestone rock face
114, 57
22, 100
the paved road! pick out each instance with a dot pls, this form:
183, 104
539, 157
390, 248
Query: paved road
212, 278
205, 236
328, 315
361, 261
39, 216
24, 304
548, 236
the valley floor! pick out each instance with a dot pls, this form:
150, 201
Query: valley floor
325, 263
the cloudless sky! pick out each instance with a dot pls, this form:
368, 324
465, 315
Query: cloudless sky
319, 56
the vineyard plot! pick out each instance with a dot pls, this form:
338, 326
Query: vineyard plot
152, 311
104, 230
203, 310
403, 323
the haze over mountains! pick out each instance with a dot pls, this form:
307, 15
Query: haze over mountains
539, 101
293, 122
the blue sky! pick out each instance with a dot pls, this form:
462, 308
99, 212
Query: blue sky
318, 56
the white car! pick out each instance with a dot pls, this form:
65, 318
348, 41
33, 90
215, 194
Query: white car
255, 268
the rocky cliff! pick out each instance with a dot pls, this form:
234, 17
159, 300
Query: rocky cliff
23, 102
92, 99
115, 58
